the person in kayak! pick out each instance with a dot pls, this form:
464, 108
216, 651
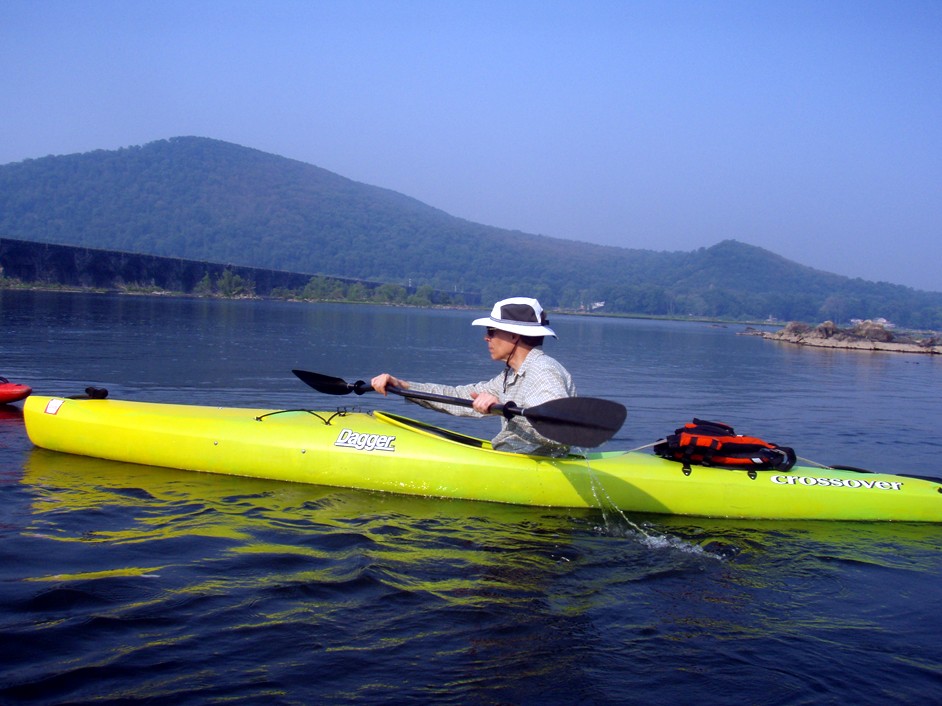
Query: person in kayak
514, 333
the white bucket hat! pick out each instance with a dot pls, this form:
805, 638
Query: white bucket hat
520, 315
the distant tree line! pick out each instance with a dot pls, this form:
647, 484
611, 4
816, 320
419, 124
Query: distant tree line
44, 264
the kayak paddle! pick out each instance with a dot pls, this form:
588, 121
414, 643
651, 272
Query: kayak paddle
574, 421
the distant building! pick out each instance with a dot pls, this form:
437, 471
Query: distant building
879, 321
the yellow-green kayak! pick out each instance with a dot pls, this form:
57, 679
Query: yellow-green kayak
389, 453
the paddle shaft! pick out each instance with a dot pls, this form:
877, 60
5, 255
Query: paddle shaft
337, 385
507, 409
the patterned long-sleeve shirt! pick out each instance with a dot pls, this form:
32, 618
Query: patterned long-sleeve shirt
539, 379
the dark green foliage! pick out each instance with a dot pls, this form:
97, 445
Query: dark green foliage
211, 201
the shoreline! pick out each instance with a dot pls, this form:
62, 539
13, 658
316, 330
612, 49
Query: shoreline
147, 292
866, 337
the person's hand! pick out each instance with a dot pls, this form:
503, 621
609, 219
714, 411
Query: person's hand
381, 382
483, 401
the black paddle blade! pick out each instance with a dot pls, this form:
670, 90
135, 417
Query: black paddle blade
330, 385
577, 421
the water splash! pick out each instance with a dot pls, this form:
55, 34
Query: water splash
616, 523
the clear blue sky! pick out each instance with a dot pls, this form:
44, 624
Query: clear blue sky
813, 129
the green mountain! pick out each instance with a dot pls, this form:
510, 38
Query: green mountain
203, 199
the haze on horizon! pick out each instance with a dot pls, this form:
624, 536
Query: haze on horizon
807, 128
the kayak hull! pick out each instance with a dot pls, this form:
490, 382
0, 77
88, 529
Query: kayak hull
388, 453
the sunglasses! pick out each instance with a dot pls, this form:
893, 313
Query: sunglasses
490, 332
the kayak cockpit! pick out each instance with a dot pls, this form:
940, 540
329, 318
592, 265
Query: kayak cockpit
448, 434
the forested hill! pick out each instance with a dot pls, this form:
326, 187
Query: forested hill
203, 199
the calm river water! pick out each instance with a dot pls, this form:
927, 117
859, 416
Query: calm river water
126, 584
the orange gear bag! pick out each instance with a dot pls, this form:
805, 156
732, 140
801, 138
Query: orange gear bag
705, 443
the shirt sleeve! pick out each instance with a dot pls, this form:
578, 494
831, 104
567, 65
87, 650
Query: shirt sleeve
461, 391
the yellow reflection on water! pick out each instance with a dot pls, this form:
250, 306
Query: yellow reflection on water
124, 572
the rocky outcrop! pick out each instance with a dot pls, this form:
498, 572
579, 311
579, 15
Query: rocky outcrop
867, 335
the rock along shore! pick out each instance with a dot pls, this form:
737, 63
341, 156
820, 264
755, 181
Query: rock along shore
866, 336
